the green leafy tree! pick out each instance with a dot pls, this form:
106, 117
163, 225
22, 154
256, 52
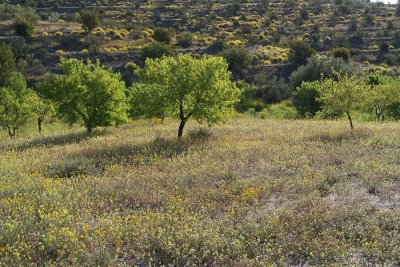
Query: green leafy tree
305, 99
187, 88
341, 52
89, 19
16, 104
7, 63
238, 59
87, 92
300, 51
342, 96
162, 36
25, 20
42, 108
155, 50
383, 93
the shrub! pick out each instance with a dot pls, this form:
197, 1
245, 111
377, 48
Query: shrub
89, 19
60, 52
281, 111
130, 67
155, 50
162, 36
384, 48
305, 99
218, 45
300, 51
341, 52
25, 21
185, 40
23, 27
7, 63
318, 67
238, 59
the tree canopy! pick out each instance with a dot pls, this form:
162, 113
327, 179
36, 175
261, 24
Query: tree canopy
341, 96
87, 92
16, 104
185, 87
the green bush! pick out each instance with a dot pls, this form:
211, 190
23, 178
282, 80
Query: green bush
155, 50
89, 19
130, 67
341, 52
185, 39
7, 63
305, 100
218, 45
162, 36
300, 51
283, 111
23, 27
318, 67
238, 59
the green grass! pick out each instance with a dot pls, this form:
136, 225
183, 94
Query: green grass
249, 193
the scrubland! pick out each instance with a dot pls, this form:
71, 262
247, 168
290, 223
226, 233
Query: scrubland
249, 193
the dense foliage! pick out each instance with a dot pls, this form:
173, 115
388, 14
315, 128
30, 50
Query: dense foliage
184, 87
87, 92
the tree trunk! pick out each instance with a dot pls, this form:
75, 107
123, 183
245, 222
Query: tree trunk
378, 114
181, 126
39, 122
183, 118
11, 132
350, 120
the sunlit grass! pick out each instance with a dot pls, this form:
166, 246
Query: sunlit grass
250, 193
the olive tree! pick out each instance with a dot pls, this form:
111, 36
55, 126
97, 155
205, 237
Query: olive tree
341, 96
87, 92
16, 104
186, 88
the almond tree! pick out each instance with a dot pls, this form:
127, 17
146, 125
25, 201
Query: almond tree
185, 88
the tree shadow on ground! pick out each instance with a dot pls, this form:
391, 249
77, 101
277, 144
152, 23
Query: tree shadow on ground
54, 140
94, 160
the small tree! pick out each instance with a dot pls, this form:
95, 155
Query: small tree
300, 51
25, 19
7, 64
87, 92
341, 52
23, 27
238, 59
89, 19
42, 108
185, 39
16, 104
156, 50
341, 96
162, 36
187, 87
383, 93
305, 99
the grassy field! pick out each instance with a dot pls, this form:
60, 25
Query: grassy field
249, 193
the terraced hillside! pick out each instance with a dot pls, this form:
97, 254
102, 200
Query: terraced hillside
263, 27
